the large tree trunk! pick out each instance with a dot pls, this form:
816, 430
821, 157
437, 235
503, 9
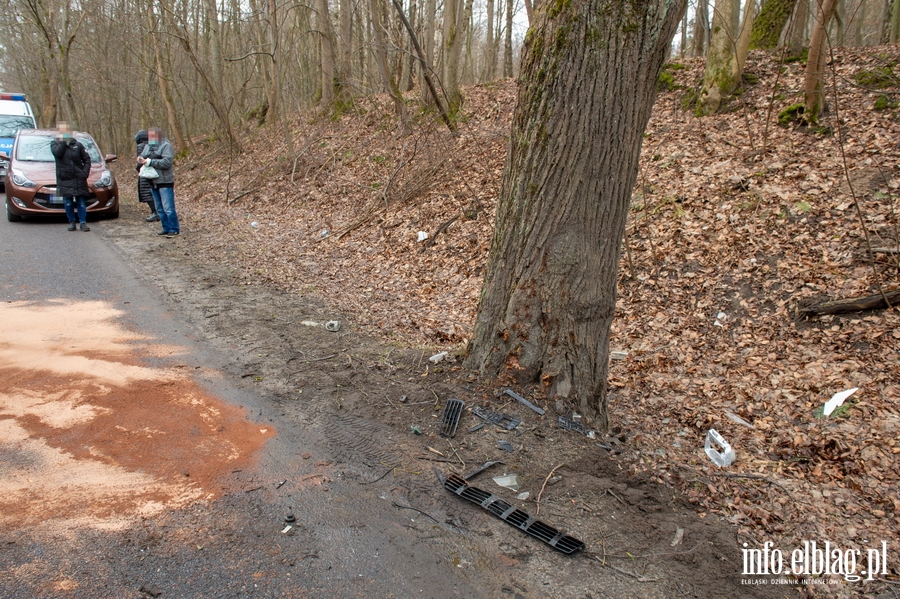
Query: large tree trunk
814, 77
588, 80
719, 81
772, 19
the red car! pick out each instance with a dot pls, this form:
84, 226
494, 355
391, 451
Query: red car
31, 179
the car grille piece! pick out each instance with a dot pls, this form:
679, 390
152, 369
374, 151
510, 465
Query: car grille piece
450, 419
511, 515
501, 420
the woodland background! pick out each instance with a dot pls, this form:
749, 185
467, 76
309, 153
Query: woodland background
300, 169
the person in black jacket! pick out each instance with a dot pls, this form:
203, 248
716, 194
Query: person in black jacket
143, 186
73, 165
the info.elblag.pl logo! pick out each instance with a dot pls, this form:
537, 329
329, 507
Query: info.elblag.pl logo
817, 559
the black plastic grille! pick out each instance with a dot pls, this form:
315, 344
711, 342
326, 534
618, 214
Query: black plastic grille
512, 516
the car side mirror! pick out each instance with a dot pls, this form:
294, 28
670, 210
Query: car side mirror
111, 157
4, 156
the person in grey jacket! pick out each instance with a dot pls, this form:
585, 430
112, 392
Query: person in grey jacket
159, 154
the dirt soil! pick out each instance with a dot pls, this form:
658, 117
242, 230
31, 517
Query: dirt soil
737, 224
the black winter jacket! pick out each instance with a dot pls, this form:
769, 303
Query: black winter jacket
73, 165
144, 193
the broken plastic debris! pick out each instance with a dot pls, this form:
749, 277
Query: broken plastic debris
333, 326
570, 425
287, 528
720, 458
506, 445
481, 469
618, 354
523, 401
501, 420
523, 496
735, 418
438, 357
324, 233
311, 323
450, 418
254, 224
719, 318
415, 430
510, 482
836, 400
517, 518
422, 236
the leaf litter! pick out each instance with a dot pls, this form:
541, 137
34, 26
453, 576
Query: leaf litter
735, 223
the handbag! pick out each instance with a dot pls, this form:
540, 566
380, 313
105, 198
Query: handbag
148, 172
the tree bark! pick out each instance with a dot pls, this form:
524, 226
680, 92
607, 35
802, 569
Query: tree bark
772, 19
701, 28
796, 28
588, 81
326, 41
719, 81
507, 45
814, 77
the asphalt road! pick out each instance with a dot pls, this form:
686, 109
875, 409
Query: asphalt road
132, 465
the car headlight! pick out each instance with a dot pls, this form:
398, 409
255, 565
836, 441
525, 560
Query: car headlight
21, 180
105, 180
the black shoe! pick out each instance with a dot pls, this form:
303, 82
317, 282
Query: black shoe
84, 227
172, 234
152, 218
162, 233
72, 226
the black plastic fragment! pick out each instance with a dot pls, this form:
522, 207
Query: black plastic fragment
504, 444
501, 420
512, 516
450, 419
523, 401
480, 469
571, 425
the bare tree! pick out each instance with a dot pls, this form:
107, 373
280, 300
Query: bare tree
585, 95
719, 80
814, 76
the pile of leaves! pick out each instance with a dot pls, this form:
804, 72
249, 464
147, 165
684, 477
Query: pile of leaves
739, 221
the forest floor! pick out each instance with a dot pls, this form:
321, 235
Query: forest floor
738, 223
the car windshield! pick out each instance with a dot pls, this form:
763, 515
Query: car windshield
36, 148
9, 124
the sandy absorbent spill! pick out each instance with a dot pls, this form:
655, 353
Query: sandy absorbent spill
90, 435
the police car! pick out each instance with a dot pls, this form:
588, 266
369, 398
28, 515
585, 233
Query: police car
15, 114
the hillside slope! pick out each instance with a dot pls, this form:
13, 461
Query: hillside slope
737, 223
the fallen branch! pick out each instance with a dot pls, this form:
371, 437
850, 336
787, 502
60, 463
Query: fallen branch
440, 230
854, 304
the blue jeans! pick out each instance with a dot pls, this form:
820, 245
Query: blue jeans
164, 198
68, 201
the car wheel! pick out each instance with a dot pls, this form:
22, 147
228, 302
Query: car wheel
13, 218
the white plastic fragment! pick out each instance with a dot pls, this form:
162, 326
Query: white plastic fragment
438, 357
720, 317
333, 326
510, 482
422, 236
618, 354
286, 528
836, 400
254, 224
324, 233
311, 323
523, 496
720, 458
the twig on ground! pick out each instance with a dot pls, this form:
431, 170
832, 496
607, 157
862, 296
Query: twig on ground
538, 500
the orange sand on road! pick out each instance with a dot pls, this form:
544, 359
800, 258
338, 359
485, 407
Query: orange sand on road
91, 436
